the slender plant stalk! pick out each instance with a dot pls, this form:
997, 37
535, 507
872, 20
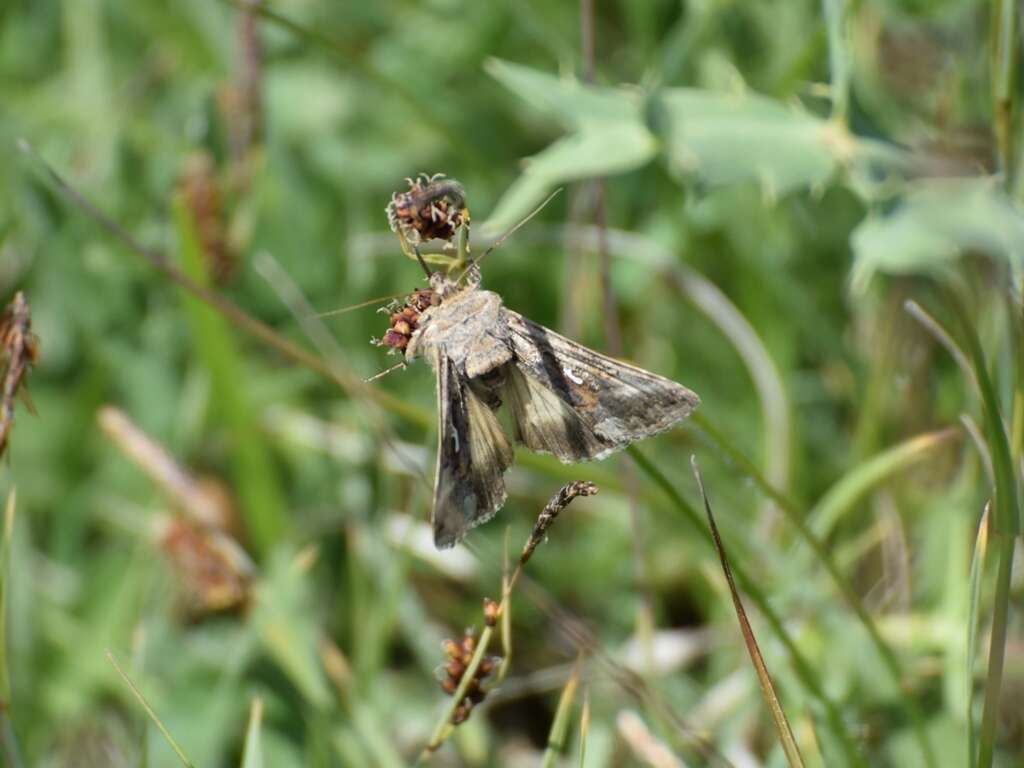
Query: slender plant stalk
796, 518
838, 57
149, 711
8, 739
771, 697
1005, 47
803, 668
1005, 528
560, 725
974, 579
997, 651
584, 726
252, 755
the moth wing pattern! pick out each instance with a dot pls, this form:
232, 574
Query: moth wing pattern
473, 454
578, 404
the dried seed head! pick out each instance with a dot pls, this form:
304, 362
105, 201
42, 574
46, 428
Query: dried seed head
451, 674
461, 713
201, 190
554, 507
452, 649
405, 320
210, 579
491, 612
19, 351
432, 208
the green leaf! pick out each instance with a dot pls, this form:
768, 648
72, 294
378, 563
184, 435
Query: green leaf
608, 136
285, 621
727, 138
936, 223
252, 757
262, 502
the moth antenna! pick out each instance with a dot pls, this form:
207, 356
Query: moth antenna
385, 372
515, 228
361, 305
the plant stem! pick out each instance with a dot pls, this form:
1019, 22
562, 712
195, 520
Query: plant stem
996, 652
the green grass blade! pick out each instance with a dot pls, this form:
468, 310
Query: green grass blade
252, 755
804, 671
865, 477
977, 569
8, 741
560, 725
1005, 528
5, 564
261, 501
584, 726
997, 653
771, 697
149, 711
838, 57
795, 517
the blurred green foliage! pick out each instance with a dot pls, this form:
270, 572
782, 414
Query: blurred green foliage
780, 177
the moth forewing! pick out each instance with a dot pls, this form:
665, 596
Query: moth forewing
615, 403
472, 456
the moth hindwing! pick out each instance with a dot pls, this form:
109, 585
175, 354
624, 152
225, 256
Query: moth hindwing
563, 398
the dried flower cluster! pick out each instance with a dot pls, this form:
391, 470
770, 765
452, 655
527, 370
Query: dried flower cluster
201, 190
460, 654
19, 351
434, 207
210, 578
552, 509
404, 320
212, 570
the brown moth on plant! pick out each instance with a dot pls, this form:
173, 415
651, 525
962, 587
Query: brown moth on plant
564, 398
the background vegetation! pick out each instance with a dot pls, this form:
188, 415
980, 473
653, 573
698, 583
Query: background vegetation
780, 178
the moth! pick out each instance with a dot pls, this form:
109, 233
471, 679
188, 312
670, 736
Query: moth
563, 398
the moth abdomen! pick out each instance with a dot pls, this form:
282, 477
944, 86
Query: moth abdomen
488, 386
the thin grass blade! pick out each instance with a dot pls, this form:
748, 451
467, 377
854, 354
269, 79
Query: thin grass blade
584, 726
1004, 530
8, 742
252, 756
977, 569
771, 697
801, 666
560, 725
149, 711
859, 481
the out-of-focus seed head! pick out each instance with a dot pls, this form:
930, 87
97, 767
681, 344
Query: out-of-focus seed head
434, 207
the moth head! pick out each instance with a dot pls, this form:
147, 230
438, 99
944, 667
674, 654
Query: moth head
443, 286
